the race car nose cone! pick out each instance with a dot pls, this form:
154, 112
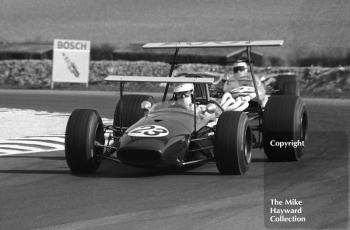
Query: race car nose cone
152, 151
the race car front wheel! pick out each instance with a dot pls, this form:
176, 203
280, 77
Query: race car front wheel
84, 129
284, 128
233, 143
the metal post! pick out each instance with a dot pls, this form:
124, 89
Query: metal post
170, 72
256, 88
195, 109
121, 106
252, 73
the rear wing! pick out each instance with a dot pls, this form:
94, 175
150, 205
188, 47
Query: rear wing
117, 78
223, 44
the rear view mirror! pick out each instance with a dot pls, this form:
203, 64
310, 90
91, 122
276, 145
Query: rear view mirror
211, 108
146, 105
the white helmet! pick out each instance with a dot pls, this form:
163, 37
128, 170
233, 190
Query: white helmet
183, 93
183, 87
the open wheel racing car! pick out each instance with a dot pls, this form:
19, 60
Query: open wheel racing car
163, 134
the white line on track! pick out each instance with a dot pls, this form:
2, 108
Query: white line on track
47, 135
27, 152
56, 139
11, 152
18, 147
29, 142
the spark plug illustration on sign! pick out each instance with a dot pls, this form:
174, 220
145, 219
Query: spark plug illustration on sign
71, 65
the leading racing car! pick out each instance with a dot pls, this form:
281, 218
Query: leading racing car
165, 134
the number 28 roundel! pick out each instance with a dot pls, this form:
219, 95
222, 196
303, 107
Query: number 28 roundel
149, 131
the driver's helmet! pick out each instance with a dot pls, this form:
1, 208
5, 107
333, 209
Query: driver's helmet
184, 92
240, 68
240, 73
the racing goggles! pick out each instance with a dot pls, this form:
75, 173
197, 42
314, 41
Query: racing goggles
238, 69
183, 94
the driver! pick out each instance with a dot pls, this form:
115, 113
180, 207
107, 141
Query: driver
240, 71
239, 88
183, 95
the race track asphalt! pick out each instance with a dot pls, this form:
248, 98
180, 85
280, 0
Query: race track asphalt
37, 191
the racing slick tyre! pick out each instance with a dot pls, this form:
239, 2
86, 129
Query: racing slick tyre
84, 129
233, 143
287, 85
132, 111
285, 121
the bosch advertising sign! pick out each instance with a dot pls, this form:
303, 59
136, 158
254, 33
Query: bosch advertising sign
71, 61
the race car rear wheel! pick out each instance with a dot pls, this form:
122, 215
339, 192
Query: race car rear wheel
233, 143
287, 85
131, 108
84, 129
284, 123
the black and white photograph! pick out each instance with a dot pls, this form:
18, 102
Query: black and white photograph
169, 115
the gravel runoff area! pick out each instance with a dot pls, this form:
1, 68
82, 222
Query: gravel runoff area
16, 123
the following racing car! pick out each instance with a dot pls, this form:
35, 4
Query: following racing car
167, 134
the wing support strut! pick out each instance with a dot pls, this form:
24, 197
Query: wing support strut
121, 105
173, 63
249, 49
